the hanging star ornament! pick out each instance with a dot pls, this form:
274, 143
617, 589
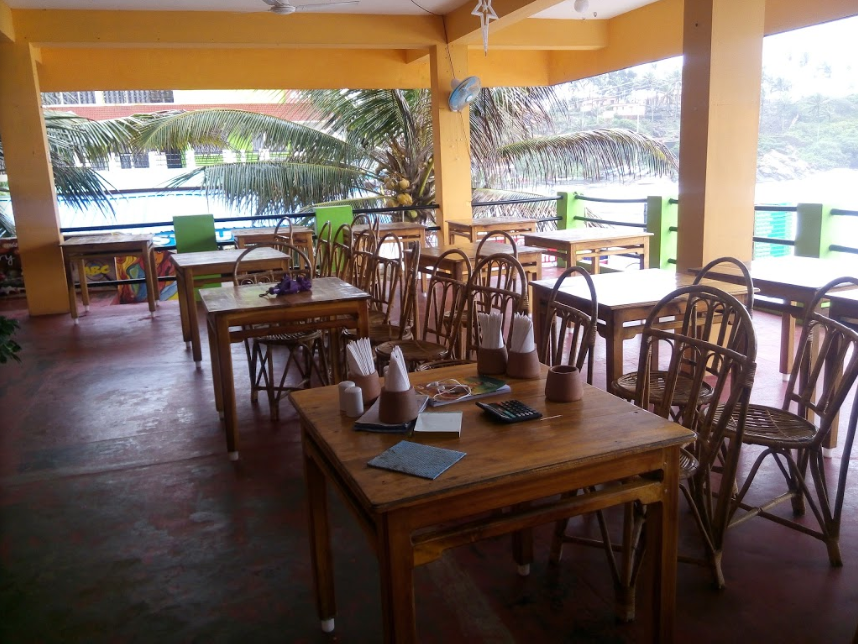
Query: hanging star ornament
486, 14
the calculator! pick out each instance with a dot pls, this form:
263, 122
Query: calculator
509, 411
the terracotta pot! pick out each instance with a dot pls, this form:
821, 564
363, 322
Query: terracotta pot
523, 365
564, 384
396, 407
370, 387
491, 362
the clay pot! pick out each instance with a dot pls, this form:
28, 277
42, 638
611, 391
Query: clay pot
396, 407
564, 384
523, 365
370, 387
491, 362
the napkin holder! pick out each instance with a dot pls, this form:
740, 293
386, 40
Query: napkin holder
523, 365
563, 384
370, 387
491, 362
395, 407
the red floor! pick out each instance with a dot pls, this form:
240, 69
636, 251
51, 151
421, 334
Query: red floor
122, 520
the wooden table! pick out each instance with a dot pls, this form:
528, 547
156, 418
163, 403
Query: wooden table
592, 243
625, 299
302, 237
87, 247
479, 227
530, 257
212, 266
844, 307
411, 521
406, 231
794, 280
238, 312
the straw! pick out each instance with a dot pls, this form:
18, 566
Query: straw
491, 329
522, 334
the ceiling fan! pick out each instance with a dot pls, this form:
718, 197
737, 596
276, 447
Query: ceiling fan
284, 8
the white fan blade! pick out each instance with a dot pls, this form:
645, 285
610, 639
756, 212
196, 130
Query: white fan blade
273, 3
324, 5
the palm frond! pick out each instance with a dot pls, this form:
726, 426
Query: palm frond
265, 187
82, 187
592, 154
239, 130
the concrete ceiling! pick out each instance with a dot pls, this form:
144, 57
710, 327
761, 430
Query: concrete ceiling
603, 9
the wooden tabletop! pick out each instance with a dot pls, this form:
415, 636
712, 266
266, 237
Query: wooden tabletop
234, 299
391, 226
470, 249
586, 235
797, 273
493, 221
215, 260
597, 428
102, 243
631, 289
269, 230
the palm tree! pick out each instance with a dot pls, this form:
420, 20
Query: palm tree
374, 148
75, 145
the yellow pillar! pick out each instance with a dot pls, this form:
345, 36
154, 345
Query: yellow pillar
452, 137
721, 76
31, 180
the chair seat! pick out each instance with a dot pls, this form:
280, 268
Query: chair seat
412, 350
626, 385
379, 333
774, 427
290, 338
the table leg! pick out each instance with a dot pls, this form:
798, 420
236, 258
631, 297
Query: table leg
151, 277
396, 568
84, 289
645, 254
320, 541
181, 287
613, 350
227, 383
193, 322
213, 348
662, 527
787, 340
72, 294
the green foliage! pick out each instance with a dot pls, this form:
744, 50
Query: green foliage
8, 347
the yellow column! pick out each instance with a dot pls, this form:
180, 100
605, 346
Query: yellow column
452, 137
722, 71
31, 180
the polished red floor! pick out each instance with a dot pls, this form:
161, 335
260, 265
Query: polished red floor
122, 520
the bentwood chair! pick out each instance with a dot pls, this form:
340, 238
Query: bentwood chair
302, 347
341, 253
793, 436
497, 236
324, 251
497, 284
442, 319
626, 385
728, 367
364, 253
569, 334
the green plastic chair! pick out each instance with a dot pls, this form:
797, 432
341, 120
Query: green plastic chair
194, 234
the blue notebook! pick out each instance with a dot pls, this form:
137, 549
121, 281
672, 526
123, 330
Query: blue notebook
425, 461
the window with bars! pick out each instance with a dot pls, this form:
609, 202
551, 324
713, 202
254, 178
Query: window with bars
68, 98
125, 97
128, 161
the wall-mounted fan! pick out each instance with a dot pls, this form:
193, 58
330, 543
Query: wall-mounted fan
464, 92
284, 8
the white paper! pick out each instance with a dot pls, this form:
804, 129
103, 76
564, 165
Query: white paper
491, 330
443, 421
522, 334
397, 374
359, 357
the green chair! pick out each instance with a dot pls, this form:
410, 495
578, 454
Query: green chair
194, 234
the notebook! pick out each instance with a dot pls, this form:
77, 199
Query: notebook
425, 461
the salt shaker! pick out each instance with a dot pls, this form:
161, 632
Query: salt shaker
353, 402
345, 384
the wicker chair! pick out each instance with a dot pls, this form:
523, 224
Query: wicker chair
569, 334
493, 236
441, 326
819, 383
497, 283
730, 369
302, 346
626, 385
324, 251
